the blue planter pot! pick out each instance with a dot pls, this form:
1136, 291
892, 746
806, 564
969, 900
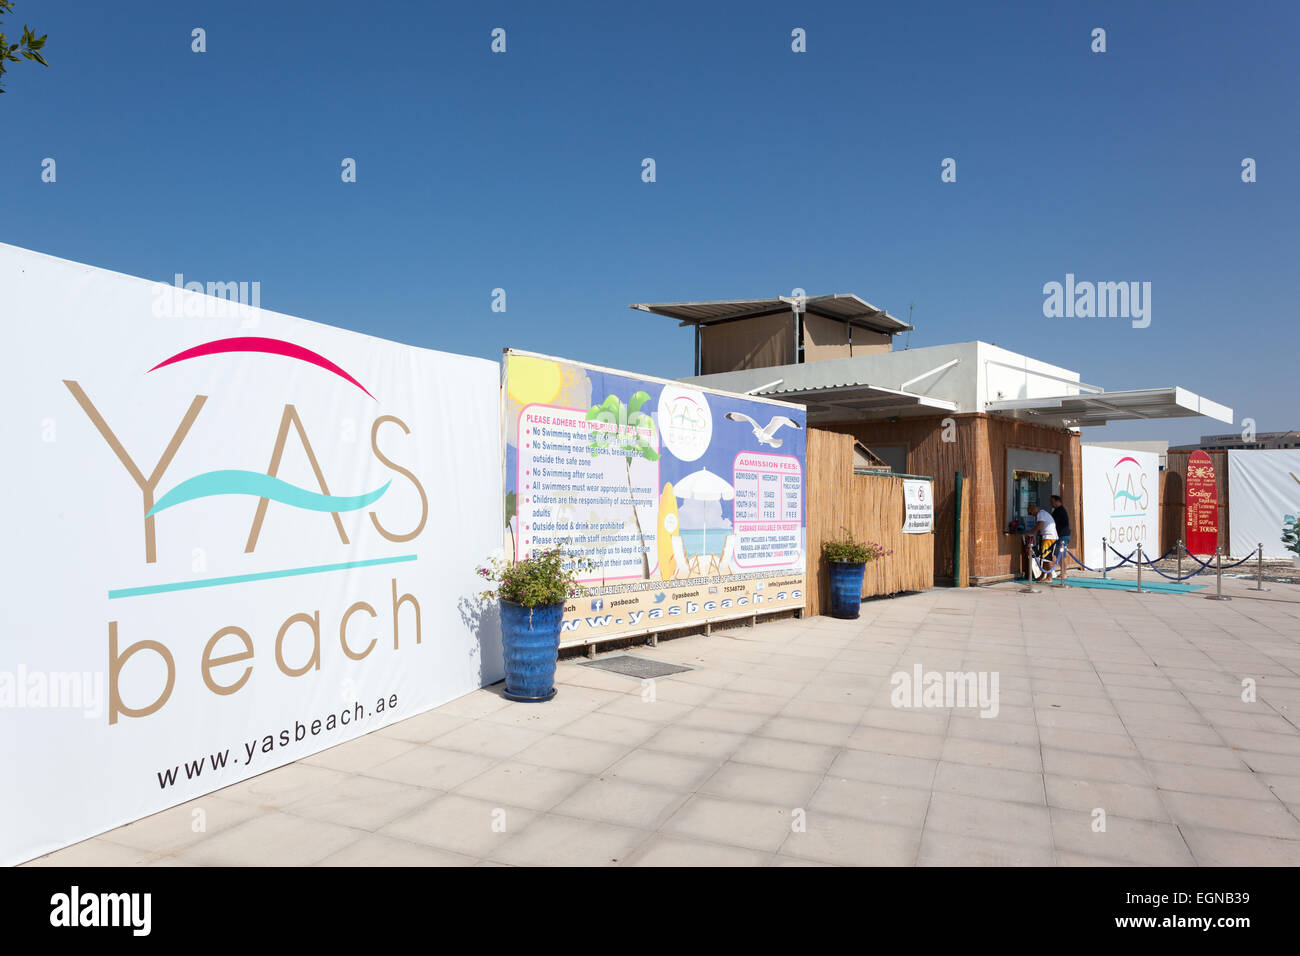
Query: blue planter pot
531, 638
846, 588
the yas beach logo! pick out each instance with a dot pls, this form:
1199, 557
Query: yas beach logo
266, 487
1098, 300
1128, 488
685, 422
1130, 499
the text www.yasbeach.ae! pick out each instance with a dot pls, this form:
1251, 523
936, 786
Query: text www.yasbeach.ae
257, 749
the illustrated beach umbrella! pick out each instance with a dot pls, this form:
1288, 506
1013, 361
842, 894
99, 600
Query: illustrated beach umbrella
704, 485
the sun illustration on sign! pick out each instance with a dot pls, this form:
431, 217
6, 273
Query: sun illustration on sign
533, 381
539, 381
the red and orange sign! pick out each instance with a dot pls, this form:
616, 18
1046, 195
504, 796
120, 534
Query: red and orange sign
1202, 527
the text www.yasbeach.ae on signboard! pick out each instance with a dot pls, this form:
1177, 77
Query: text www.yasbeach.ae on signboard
268, 744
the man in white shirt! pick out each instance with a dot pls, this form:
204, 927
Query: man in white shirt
1040, 523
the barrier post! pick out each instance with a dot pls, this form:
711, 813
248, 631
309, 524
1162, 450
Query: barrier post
1029, 568
1259, 569
1218, 578
1104, 558
1139, 587
1179, 549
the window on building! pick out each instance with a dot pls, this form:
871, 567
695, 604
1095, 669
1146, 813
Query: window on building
895, 456
1032, 478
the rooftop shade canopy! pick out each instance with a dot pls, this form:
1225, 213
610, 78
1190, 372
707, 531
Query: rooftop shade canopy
1101, 407
828, 402
842, 307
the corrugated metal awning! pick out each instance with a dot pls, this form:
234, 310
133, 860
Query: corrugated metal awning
841, 307
834, 402
1098, 408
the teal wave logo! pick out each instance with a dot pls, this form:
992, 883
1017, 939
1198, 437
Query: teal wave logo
1129, 495
258, 485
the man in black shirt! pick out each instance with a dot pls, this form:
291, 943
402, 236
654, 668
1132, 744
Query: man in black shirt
1062, 519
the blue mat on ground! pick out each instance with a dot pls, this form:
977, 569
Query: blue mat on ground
1114, 584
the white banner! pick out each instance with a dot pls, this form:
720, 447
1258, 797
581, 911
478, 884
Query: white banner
918, 507
1121, 502
235, 538
1263, 499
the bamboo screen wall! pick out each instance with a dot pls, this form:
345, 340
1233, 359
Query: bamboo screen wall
871, 507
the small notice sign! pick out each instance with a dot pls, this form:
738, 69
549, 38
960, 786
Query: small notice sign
918, 507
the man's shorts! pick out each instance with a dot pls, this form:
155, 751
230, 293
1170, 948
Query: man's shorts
1047, 552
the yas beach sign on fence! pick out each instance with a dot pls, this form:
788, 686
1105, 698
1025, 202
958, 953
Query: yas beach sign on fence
247, 548
1121, 502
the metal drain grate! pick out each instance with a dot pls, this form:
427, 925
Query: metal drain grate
638, 667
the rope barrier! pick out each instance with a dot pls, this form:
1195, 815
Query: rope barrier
1086, 568
1128, 559
1207, 564
1174, 577
1146, 560
1123, 560
1151, 563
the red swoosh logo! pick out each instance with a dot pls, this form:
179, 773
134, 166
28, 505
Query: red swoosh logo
254, 343
1124, 459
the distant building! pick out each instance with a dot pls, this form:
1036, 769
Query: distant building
1234, 440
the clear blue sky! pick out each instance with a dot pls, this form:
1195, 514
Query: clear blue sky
775, 170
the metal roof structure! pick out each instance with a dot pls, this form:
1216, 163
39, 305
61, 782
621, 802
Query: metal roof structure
1099, 408
832, 402
841, 307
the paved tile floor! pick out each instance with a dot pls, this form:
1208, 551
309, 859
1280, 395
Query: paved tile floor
782, 747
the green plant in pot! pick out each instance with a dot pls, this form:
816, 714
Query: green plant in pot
531, 593
848, 559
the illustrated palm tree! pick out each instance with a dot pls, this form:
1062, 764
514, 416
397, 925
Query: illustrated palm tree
510, 517
630, 437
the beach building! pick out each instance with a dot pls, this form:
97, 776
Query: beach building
1008, 423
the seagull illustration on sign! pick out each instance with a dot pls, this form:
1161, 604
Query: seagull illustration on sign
764, 435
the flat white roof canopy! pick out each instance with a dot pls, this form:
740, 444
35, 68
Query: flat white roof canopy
1099, 408
833, 402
